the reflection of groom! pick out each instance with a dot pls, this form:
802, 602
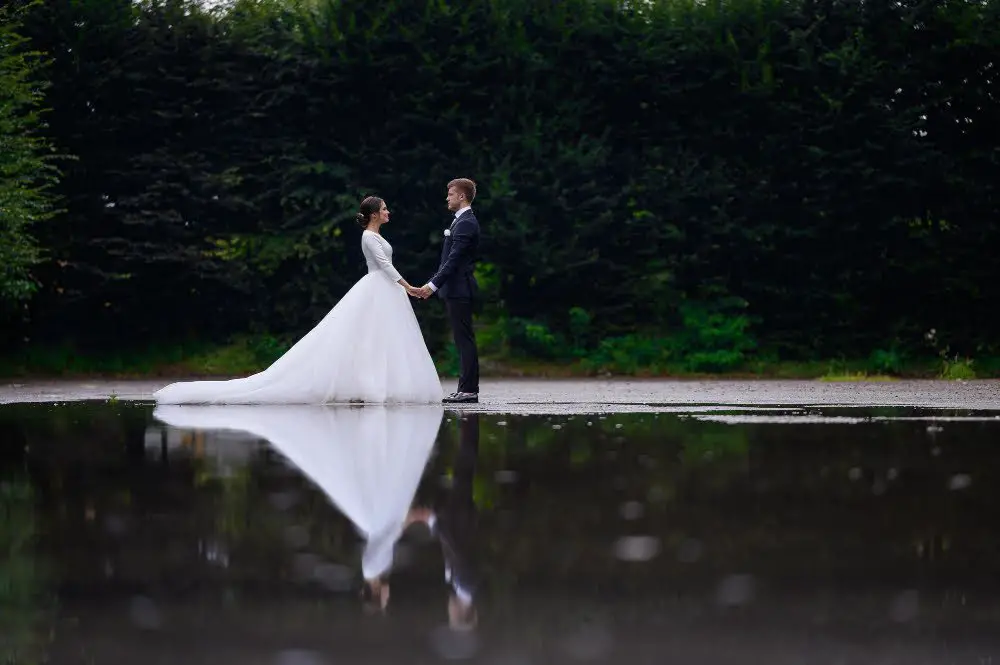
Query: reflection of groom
453, 522
455, 282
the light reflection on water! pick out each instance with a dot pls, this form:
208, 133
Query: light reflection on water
731, 535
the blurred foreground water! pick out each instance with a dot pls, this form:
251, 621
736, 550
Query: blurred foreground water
709, 535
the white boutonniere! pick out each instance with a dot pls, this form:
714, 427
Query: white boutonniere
447, 232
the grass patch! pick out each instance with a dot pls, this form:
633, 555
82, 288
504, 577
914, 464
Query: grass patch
240, 357
247, 355
67, 361
857, 376
958, 369
244, 355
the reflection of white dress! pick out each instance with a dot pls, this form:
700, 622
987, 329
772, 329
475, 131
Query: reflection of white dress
367, 460
368, 348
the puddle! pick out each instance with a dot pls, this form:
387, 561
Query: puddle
715, 533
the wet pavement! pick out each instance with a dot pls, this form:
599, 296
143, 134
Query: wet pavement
569, 396
612, 522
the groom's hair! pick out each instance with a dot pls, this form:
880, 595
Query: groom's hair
465, 186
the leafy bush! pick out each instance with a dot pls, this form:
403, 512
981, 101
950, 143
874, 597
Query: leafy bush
26, 171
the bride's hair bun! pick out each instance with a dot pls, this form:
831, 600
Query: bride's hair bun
370, 206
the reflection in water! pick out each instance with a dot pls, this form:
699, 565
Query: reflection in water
611, 538
452, 519
21, 576
367, 460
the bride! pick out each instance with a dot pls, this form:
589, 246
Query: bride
368, 348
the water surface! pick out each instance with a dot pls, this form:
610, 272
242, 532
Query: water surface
700, 534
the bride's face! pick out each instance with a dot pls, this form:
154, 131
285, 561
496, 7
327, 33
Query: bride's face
383, 214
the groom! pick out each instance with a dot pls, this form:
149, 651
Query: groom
456, 284
453, 521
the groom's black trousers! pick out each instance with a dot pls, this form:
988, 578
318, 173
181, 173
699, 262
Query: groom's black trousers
460, 315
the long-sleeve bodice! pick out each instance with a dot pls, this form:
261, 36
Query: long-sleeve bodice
378, 254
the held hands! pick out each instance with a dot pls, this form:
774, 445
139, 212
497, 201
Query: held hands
418, 514
424, 292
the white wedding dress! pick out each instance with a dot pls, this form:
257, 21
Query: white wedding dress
368, 348
367, 460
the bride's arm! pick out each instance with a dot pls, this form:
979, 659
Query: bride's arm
373, 246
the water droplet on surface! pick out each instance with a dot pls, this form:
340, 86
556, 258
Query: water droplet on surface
735, 590
144, 613
637, 548
905, 607
959, 481
631, 510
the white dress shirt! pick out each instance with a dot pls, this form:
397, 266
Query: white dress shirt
462, 594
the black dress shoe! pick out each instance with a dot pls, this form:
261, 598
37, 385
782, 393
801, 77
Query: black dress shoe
462, 398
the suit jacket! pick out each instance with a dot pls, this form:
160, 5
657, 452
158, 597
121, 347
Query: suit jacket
455, 278
456, 513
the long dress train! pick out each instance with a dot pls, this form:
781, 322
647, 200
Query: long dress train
368, 348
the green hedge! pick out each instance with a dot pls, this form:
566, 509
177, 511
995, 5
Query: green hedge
810, 178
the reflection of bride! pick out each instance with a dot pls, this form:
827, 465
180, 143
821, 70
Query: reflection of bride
367, 460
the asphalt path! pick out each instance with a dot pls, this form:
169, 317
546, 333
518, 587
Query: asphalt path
612, 395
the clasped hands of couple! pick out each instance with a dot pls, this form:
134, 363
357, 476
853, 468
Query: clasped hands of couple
423, 292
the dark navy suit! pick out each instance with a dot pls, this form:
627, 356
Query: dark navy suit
456, 515
456, 285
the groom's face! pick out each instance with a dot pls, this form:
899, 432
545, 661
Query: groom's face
455, 199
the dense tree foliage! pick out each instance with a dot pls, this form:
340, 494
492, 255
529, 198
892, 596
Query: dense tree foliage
819, 176
25, 175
